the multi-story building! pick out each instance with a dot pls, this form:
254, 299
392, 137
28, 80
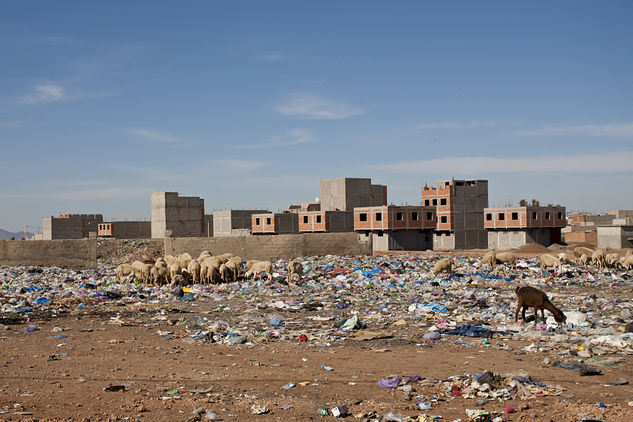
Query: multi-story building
70, 226
347, 193
275, 223
125, 229
459, 208
233, 222
183, 216
395, 227
326, 221
513, 227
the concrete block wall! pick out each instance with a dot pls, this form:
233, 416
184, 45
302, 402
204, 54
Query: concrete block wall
274, 247
347, 193
75, 254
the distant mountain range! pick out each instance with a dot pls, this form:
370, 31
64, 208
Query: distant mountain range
6, 235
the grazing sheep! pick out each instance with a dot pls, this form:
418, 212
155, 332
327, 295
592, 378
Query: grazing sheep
549, 261
628, 262
583, 260
530, 297
141, 271
620, 263
579, 251
183, 260
611, 259
213, 275
445, 264
124, 270
159, 275
178, 281
174, 270
259, 268
194, 269
225, 274
489, 258
598, 257
249, 264
563, 258
294, 268
169, 259
507, 258
160, 262
234, 265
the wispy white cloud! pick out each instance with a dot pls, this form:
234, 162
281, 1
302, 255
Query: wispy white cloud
292, 137
240, 164
314, 107
103, 193
156, 136
44, 94
616, 130
269, 57
455, 125
614, 162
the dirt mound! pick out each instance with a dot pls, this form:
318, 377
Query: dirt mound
533, 248
556, 247
112, 252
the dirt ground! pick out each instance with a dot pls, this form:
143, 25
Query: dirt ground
144, 352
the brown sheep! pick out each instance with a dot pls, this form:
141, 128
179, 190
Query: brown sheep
530, 297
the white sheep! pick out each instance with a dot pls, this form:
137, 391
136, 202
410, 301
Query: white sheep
611, 259
225, 274
174, 270
580, 251
183, 260
550, 261
259, 268
124, 270
598, 257
194, 270
489, 258
445, 264
583, 260
507, 258
294, 268
628, 262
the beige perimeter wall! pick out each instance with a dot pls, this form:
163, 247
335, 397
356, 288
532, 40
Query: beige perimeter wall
284, 246
76, 254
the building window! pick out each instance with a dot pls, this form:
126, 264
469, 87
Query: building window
426, 202
443, 219
414, 216
267, 220
443, 201
489, 217
305, 219
502, 216
534, 217
560, 215
547, 216
378, 216
257, 222
435, 202
429, 216
399, 216
318, 218
362, 216
515, 215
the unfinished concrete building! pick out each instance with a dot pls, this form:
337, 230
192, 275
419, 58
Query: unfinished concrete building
183, 216
275, 223
513, 227
326, 221
125, 229
347, 193
459, 208
233, 222
393, 227
70, 226
615, 236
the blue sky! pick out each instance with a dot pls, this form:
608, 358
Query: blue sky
250, 104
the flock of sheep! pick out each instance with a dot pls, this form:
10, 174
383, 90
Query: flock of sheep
182, 269
582, 256
205, 269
